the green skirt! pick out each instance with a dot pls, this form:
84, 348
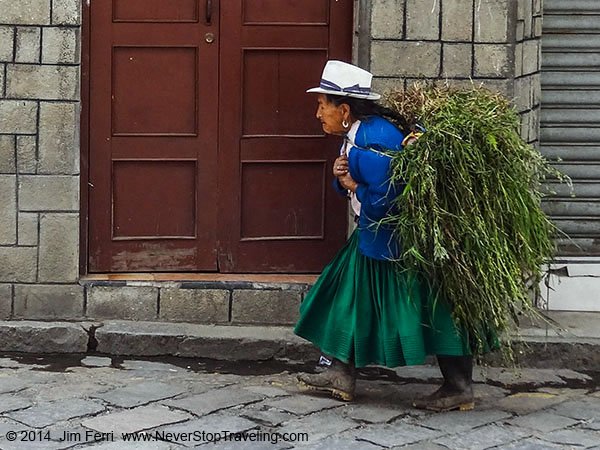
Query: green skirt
366, 311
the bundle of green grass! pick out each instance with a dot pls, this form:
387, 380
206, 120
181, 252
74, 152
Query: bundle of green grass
470, 217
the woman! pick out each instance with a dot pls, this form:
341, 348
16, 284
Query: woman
363, 310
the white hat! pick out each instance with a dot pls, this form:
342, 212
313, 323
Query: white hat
340, 78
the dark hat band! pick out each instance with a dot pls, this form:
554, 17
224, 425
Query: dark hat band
356, 89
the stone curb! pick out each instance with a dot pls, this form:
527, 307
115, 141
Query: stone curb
240, 343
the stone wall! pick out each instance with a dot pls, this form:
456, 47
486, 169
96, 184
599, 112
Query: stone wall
494, 42
39, 157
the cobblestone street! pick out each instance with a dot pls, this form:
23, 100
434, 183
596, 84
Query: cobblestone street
70, 402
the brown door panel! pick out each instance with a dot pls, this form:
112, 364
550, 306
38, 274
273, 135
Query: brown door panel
153, 137
277, 210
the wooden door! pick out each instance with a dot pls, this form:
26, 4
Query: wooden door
277, 210
205, 154
153, 136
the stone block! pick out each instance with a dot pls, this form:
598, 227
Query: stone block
521, 9
25, 12
96, 361
520, 31
525, 126
457, 60
461, 423
5, 301
527, 18
519, 59
536, 89
262, 306
543, 421
66, 12
423, 19
48, 302
220, 342
492, 60
48, 193
27, 229
522, 95
140, 394
457, 20
60, 46
373, 413
27, 154
18, 264
400, 59
134, 420
537, 27
59, 248
7, 154
8, 210
484, 437
573, 438
194, 305
385, 85
534, 126
531, 63
537, 7
7, 34
42, 337
44, 414
28, 45
491, 21
214, 400
389, 435
129, 303
218, 421
387, 17
18, 117
43, 82
58, 145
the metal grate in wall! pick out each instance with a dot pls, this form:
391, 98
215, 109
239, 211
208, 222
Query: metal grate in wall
570, 119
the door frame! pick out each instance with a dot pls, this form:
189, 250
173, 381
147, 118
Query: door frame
84, 136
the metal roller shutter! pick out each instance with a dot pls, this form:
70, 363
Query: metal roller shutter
570, 118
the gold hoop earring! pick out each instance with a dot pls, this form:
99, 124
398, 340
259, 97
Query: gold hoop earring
345, 124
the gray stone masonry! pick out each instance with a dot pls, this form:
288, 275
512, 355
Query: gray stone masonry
58, 255
48, 301
25, 12
195, 305
7, 154
266, 307
130, 303
28, 45
493, 42
58, 138
42, 82
39, 184
8, 210
5, 301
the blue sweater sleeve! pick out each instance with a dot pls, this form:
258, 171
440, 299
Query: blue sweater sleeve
338, 187
375, 193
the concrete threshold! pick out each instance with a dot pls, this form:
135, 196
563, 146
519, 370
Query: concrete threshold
566, 340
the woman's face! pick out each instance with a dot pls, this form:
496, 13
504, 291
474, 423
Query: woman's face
332, 116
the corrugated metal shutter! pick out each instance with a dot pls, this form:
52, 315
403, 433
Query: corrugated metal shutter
570, 118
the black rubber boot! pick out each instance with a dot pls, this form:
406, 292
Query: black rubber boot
338, 380
457, 390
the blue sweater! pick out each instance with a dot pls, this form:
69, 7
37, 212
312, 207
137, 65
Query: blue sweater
371, 170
